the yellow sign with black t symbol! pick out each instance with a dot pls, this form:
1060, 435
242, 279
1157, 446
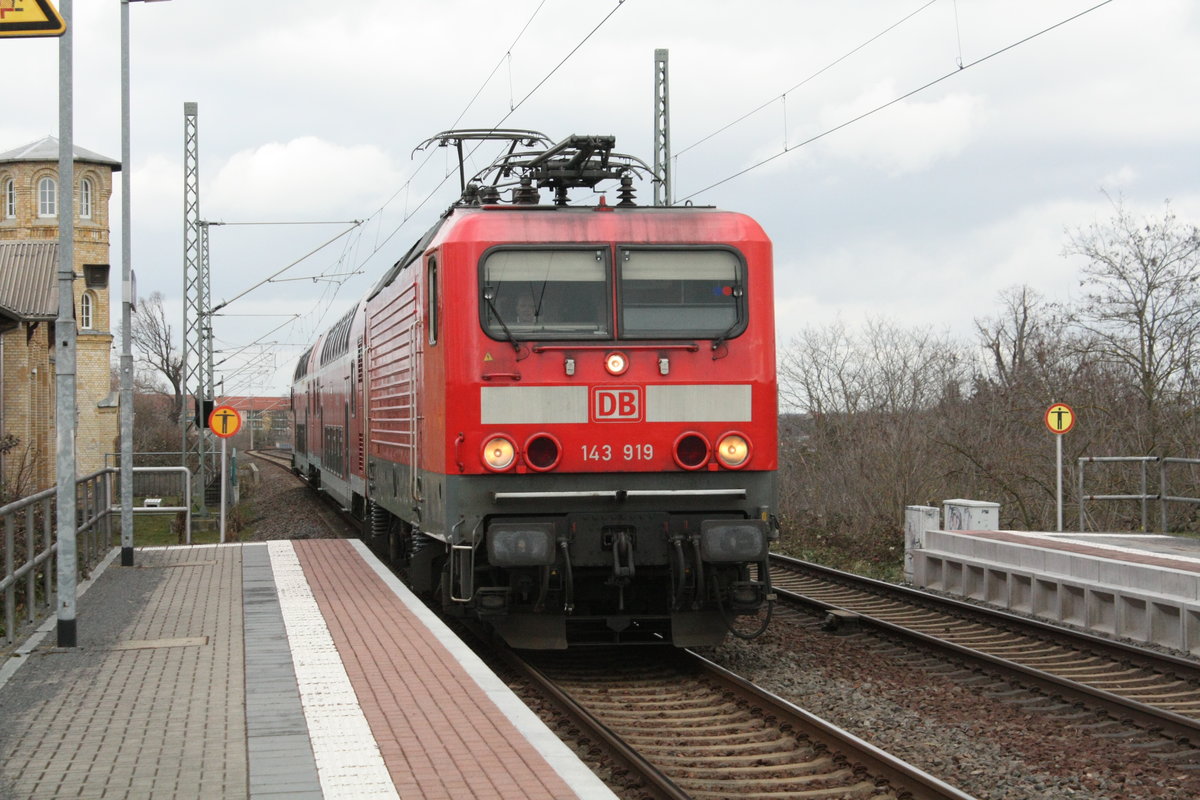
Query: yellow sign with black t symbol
30, 18
224, 421
1060, 418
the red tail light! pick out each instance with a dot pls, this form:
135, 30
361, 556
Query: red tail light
691, 451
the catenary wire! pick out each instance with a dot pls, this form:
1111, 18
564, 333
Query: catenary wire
895, 100
816, 74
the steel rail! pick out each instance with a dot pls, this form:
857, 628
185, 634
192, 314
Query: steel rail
630, 758
1176, 725
906, 779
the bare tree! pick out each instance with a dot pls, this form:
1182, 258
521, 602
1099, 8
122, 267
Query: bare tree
862, 444
156, 350
1142, 306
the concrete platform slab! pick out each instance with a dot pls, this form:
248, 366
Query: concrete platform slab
1136, 586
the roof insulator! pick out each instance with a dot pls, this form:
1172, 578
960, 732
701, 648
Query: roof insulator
526, 194
626, 193
488, 195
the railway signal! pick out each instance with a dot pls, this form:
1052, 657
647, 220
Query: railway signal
1059, 419
224, 421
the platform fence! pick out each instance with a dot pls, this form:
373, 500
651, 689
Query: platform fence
1163, 496
30, 542
31, 548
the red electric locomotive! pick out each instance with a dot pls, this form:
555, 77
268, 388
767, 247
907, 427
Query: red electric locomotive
561, 419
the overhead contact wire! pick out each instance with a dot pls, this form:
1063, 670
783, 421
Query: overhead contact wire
892, 102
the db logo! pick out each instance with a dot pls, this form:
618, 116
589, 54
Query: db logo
619, 404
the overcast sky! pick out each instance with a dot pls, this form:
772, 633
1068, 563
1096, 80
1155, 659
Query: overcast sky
920, 213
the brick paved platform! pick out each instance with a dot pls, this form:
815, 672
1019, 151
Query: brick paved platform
282, 670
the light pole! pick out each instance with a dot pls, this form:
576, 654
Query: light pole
126, 419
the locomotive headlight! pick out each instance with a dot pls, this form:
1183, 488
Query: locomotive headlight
733, 450
730, 541
499, 453
616, 363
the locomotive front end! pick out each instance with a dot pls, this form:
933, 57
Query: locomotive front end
625, 451
572, 409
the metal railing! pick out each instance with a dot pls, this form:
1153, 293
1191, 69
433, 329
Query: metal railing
186, 508
27, 585
1163, 496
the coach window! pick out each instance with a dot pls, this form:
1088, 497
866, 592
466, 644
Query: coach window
545, 293
678, 294
431, 298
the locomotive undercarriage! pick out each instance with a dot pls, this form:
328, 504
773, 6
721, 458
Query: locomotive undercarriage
616, 570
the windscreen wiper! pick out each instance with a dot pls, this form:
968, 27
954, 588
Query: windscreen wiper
487, 296
720, 340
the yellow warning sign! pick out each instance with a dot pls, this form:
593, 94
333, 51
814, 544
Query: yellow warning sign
487, 357
224, 421
30, 18
1060, 418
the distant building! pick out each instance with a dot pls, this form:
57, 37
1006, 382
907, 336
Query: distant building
31, 203
266, 421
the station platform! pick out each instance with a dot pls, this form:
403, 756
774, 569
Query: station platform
274, 670
1136, 586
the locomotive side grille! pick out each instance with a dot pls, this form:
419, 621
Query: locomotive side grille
391, 372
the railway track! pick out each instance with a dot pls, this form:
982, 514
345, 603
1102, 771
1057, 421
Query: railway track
691, 729
273, 456
339, 522
1156, 691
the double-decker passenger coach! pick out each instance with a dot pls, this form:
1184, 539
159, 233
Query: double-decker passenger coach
561, 419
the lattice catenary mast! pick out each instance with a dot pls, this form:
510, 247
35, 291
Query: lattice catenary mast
197, 364
662, 131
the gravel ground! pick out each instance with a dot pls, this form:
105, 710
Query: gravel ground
279, 506
959, 733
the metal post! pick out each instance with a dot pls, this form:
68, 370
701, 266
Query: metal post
662, 130
126, 418
1145, 500
1162, 494
1081, 495
1058, 447
64, 330
223, 483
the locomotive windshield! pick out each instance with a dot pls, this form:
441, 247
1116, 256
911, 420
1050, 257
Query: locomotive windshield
547, 293
680, 294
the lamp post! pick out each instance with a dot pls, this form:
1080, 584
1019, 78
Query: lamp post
126, 419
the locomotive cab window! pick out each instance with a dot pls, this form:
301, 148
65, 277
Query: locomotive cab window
681, 294
545, 293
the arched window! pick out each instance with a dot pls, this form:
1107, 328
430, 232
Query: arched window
85, 198
47, 197
10, 199
87, 305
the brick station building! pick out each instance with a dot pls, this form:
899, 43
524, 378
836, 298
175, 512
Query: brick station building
31, 201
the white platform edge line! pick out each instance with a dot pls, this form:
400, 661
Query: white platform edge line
1066, 537
561, 758
349, 763
17, 659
